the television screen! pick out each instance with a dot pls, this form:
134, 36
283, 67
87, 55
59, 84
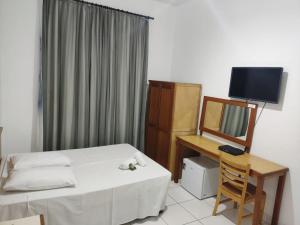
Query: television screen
256, 83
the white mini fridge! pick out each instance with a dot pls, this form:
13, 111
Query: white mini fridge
200, 176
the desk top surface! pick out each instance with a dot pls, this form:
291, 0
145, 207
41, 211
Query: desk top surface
258, 165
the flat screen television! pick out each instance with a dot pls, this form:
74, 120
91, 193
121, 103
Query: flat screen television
256, 83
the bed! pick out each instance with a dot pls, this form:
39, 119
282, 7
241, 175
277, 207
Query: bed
104, 195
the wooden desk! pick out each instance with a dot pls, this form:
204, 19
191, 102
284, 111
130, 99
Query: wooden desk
259, 168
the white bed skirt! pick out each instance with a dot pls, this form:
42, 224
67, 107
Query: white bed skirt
105, 195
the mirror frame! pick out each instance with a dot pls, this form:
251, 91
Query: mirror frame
253, 111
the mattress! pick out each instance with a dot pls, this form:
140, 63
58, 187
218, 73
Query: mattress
104, 195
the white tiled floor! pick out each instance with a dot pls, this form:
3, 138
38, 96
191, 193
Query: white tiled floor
176, 215
184, 209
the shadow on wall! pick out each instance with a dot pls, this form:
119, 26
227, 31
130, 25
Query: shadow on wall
37, 113
288, 201
279, 106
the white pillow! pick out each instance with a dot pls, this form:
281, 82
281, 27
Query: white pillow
38, 159
41, 178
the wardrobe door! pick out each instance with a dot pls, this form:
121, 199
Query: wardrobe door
153, 105
163, 146
152, 120
159, 121
151, 142
166, 107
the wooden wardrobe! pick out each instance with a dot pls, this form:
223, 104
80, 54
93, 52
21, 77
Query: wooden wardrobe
172, 110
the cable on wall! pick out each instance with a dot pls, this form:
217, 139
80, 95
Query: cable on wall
262, 109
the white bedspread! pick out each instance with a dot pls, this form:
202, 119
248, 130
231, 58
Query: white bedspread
105, 195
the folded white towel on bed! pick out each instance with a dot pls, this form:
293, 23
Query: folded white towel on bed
126, 164
140, 159
137, 159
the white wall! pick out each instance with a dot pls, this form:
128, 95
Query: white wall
18, 47
211, 36
161, 43
20, 28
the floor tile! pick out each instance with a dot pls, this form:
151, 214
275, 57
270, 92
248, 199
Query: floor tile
231, 214
194, 223
172, 184
216, 220
149, 221
176, 215
222, 207
170, 201
199, 209
179, 194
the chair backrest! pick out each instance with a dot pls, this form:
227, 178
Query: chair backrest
234, 174
33, 220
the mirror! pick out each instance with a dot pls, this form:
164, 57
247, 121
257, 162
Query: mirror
229, 119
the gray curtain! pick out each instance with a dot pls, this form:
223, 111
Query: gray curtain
94, 71
235, 120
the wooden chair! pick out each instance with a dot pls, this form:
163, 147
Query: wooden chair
234, 186
33, 220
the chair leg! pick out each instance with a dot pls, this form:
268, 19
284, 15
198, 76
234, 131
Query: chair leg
240, 213
218, 199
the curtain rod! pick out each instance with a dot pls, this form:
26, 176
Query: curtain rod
119, 10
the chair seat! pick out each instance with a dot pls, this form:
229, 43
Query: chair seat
250, 193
